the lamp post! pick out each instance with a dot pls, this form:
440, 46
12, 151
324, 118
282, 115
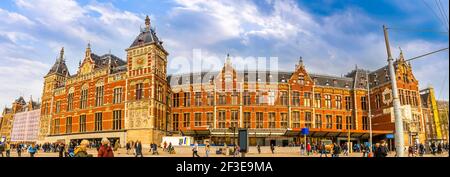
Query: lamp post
370, 113
399, 139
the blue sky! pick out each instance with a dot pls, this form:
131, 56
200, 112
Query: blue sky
332, 36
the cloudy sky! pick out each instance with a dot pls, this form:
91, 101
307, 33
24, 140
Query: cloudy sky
332, 36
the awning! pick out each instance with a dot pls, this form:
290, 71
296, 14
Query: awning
337, 133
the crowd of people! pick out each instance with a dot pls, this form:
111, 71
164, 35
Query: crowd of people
106, 149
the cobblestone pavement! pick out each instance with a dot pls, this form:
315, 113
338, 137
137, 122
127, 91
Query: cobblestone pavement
186, 152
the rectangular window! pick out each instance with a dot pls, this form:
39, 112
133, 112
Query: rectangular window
338, 102
408, 97
175, 122
328, 101
307, 100
210, 98
187, 120
350, 123
84, 97
318, 121
295, 98
271, 97
222, 119
58, 106
234, 118
308, 119
348, 103
246, 97
222, 99
284, 98
284, 120
329, 122
339, 122
271, 120
69, 125
176, 100
139, 92
259, 119
198, 98
117, 119
210, 119
234, 98
365, 123
414, 99
57, 125
378, 101
247, 119
117, 95
82, 123
70, 102
198, 119
363, 103
295, 119
317, 100
187, 99
99, 96
258, 98
98, 121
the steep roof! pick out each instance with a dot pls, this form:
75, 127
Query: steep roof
59, 67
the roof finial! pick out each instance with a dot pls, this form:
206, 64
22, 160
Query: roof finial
300, 62
88, 49
228, 59
61, 54
401, 58
147, 23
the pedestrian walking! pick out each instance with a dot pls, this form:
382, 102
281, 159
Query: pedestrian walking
195, 150
32, 150
138, 147
116, 145
259, 148
382, 150
207, 149
128, 147
62, 149
165, 146
8, 149
105, 149
308, 149
272, 148
323, 150
155, 149
2, 148
336, 150
302, 149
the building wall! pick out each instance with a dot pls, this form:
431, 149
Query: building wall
26, 126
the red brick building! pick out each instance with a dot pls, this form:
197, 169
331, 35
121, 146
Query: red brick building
136, 100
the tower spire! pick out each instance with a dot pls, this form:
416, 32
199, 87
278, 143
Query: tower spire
61, 54
401, 58
147, 23
88, 49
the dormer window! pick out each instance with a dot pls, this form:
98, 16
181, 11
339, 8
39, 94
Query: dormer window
327, 83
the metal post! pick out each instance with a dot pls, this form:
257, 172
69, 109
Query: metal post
370, 113
399, 139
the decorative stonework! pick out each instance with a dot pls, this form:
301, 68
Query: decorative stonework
387, 96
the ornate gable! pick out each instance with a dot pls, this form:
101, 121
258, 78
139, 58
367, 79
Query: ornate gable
300, 75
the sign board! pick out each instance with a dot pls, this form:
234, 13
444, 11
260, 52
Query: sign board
390, 136
305, 131
243, 140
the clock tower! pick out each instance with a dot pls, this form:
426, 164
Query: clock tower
147, 88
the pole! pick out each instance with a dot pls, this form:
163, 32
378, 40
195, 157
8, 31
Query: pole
370, 113
399, 139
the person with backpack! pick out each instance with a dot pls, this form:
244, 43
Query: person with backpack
32, 150
382, 150
81, 150
105, 149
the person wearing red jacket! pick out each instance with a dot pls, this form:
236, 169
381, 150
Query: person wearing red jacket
105, 149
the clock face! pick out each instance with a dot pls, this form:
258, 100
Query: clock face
139, 61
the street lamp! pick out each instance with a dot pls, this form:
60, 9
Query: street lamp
370, 112
399, 142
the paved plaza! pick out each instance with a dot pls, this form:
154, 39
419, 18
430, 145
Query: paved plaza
187, 152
